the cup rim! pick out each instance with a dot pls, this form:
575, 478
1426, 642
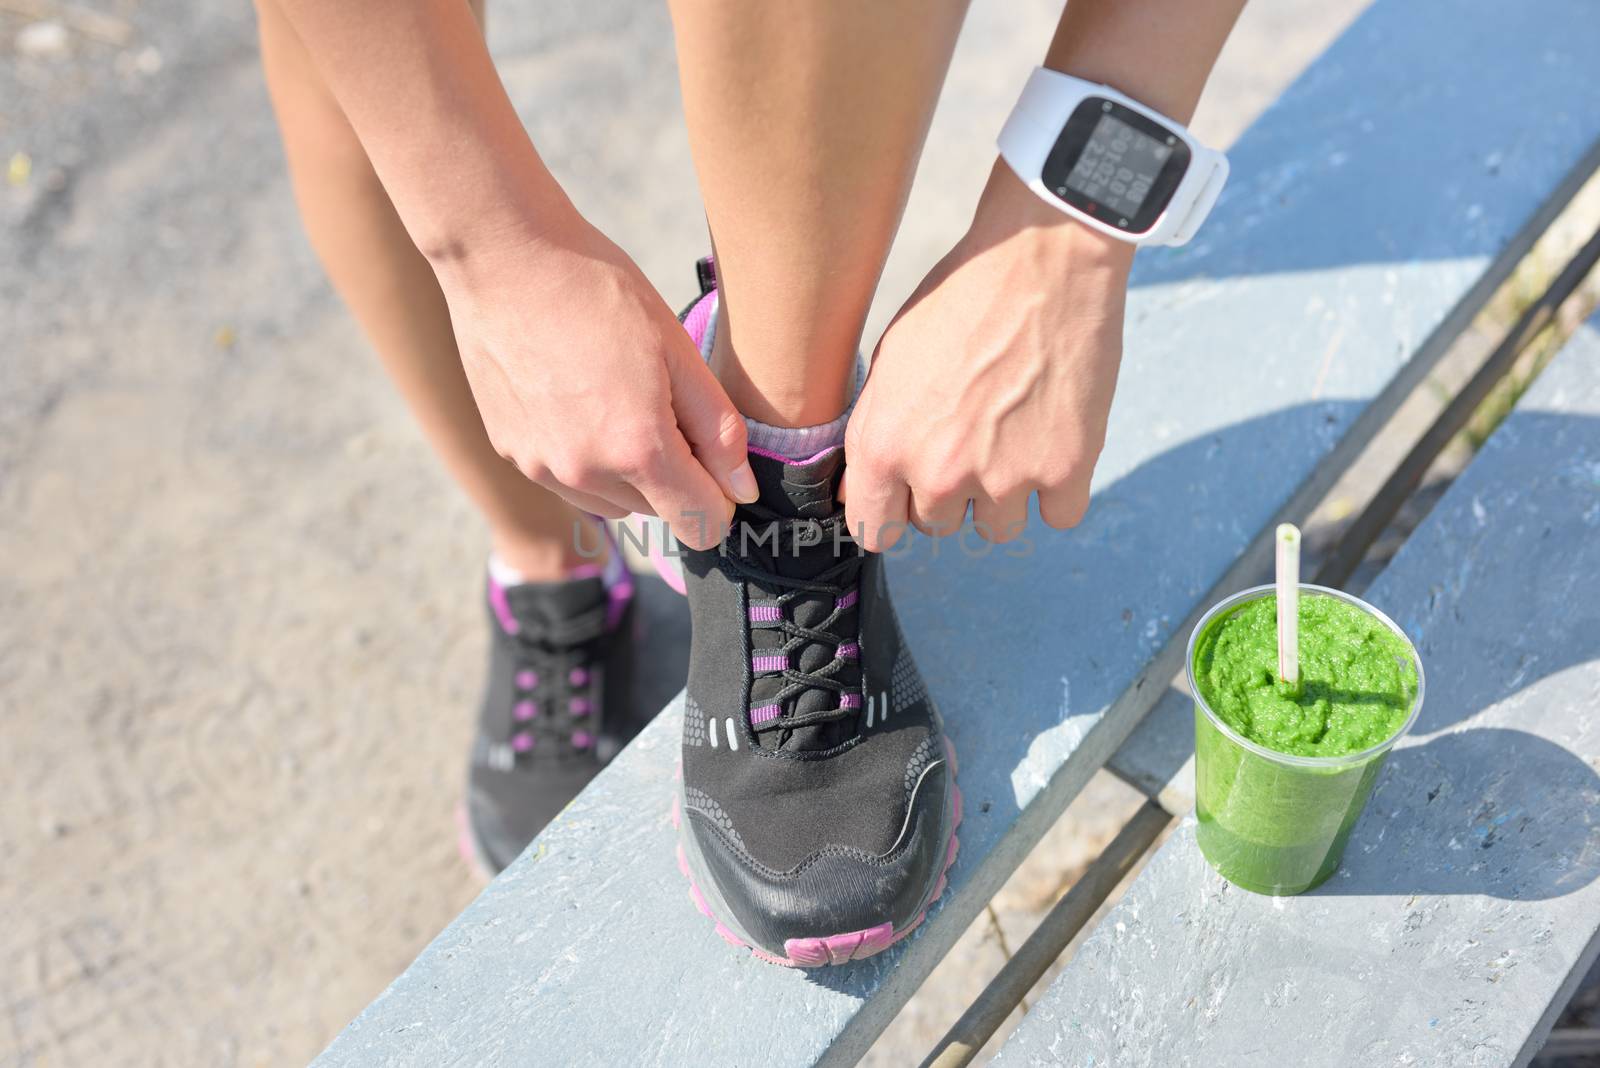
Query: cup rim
1254, 593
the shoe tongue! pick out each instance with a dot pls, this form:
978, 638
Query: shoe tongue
806, 490
795, 490
559, 613
800, 489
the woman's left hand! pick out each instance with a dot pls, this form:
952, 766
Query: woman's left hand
994, 382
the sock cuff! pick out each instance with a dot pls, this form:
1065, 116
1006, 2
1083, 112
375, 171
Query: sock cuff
792, 443
796, 442
503, 574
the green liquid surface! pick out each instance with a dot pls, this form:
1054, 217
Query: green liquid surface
1357, 678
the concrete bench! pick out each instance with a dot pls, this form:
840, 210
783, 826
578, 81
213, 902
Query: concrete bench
1372, 211
1468, 904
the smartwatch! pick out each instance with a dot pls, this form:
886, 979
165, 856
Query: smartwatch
1110, 162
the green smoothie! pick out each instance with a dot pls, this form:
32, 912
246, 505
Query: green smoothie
1275, 819
1357, 678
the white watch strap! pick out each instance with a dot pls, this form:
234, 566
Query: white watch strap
1211, 170
1049, 98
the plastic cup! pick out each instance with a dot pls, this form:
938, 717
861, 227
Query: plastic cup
1271, 822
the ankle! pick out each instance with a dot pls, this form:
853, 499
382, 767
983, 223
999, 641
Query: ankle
543, 558
805, 387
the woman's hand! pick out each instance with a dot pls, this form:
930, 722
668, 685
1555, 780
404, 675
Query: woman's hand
589, 385
994, 381
582, 375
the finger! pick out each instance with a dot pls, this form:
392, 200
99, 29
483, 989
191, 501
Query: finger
602, 506
681, 492
710, 424
1000, 520
876, 508
614, 502
1064, 507
596, 506
937, 515
622, 495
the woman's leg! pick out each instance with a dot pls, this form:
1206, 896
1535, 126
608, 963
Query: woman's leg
391, 290
806, 121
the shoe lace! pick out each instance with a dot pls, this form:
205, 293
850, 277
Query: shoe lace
835, 582
555, 709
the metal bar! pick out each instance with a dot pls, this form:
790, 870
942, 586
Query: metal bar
1059, 926
1570, 1042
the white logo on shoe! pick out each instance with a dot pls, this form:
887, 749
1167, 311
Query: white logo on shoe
878, 706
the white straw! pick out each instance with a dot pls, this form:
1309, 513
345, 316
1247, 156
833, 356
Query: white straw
1289, 603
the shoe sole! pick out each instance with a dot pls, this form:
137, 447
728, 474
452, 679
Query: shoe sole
821, 950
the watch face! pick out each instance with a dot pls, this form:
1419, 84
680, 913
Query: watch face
1116, 165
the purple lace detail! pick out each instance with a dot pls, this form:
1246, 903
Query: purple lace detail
502, 610
849, 650
849, 700
765, 714
847, 601
765, 613
618, 580
769, 663
620, 595
539, 692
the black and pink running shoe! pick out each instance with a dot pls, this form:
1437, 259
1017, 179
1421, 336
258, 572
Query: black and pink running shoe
818, 808
556, 708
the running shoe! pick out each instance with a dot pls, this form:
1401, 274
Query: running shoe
556, 705
817, 809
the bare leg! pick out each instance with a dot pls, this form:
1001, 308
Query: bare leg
806, 121
392, 292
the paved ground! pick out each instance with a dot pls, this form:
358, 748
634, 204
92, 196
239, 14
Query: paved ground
239, 634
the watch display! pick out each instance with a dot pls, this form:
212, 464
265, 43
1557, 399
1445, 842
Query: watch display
1115, 164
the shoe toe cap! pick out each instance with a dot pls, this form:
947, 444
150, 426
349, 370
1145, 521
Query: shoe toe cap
839, 903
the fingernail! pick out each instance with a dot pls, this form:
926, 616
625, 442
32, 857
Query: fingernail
743, 484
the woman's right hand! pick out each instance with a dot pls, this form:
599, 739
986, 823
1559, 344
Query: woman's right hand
587, 382
583, 377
